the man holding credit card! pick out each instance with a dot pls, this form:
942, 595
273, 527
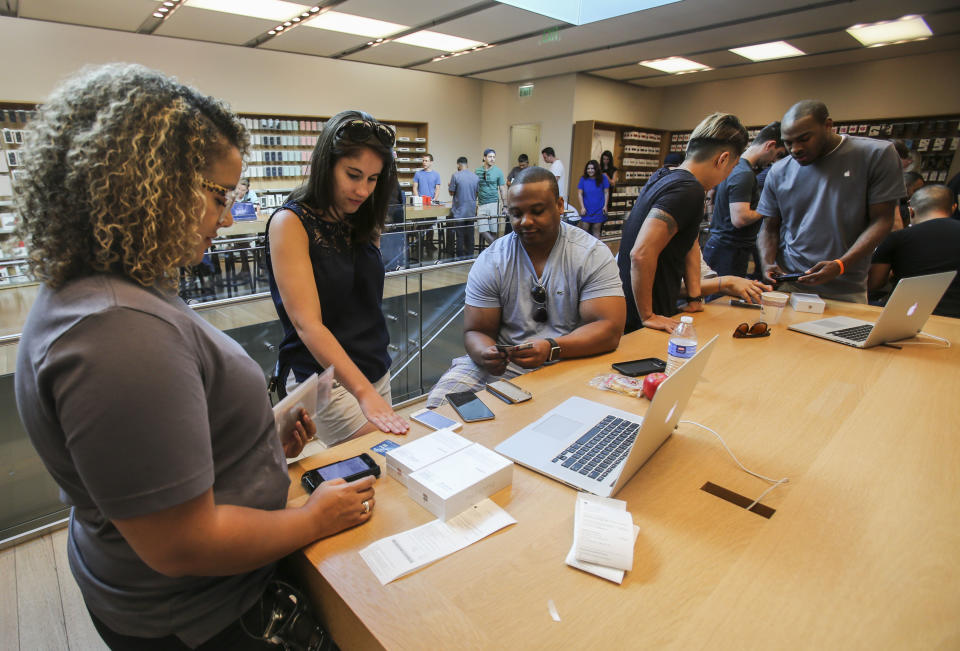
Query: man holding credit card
545, 292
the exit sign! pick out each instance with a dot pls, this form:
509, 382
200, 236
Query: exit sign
526, 90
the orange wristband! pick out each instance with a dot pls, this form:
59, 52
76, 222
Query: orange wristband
842, 268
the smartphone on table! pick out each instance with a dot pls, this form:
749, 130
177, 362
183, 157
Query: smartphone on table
469, 406
433, 420
639, 367
350, 469
509, 392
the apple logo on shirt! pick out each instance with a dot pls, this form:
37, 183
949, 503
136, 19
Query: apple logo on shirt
912, 309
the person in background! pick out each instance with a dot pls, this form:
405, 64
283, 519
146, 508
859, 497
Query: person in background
912, 181
326, 275
166, 448
659, 247
490, 194
547, 288
463, 188
246, 195
908, 160
673, 160
426, 183
523, 161
608, 169
735, 222
930, 245
556, 166
827, 206
592, 192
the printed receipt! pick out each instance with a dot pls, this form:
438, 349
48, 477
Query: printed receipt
394, 556
603, 537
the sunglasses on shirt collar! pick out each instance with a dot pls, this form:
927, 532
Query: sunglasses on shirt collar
539, 294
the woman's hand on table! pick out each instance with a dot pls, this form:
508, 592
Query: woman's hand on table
378, 412
302, 433
337, 505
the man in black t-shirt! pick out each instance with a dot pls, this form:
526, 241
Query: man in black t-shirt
930, 245
735, 224
659, 245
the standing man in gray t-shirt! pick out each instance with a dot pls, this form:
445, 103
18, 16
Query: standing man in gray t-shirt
545, 292
827, 206
463, 188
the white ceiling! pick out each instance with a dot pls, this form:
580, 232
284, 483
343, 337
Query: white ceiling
528, 45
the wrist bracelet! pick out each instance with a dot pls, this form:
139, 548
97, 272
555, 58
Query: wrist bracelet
842, 268
695, 299
719, 283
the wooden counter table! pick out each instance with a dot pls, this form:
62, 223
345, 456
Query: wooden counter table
862, 552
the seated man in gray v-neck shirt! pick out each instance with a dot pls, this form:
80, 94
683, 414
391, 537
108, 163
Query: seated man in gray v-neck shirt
550, 288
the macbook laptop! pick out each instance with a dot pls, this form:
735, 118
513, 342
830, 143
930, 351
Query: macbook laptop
596, 448
907, 309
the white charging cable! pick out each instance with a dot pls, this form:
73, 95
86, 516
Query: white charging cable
775, 482
924, 343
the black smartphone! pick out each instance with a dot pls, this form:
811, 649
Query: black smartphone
350, 469
640, 367
469, 406
739, 302
788, 278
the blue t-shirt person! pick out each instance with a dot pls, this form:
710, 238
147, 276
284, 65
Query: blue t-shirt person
593, 198
427, 182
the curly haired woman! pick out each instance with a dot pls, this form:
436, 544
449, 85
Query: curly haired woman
155, 425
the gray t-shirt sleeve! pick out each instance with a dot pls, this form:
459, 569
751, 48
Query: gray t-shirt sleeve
151, 449
483, 282
886, 177
600, 275
768, 205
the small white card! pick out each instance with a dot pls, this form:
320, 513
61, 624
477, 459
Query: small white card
603, 532
313, 394
394, 556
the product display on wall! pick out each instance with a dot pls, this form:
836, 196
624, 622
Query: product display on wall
13, 251
637, 153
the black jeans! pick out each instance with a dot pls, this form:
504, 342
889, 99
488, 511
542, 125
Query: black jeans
726, 259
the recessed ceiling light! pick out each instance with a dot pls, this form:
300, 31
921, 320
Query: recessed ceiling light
767, 51
674, 65
336, 21
266, 9
163, 10
157, 14
438, 41
906, 28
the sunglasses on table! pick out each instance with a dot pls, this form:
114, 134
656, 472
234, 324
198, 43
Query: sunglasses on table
755, 331
539, 294
361, 130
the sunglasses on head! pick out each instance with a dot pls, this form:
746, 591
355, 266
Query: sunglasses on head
747, 331
361, 130
539, 294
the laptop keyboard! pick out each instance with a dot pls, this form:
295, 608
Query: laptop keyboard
597, 453
856, 333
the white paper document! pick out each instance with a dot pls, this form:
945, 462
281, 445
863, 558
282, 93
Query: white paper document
603, 537
394, 556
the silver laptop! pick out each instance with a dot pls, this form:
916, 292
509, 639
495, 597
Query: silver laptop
596, 448
907, 309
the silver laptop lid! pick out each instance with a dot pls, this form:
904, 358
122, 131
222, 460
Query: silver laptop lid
910, 305
664, 413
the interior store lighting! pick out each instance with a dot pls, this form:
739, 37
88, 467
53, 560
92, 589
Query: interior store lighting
336, 21
166, 9
675, 65
267, 9
889, 32
438, 41
768, 51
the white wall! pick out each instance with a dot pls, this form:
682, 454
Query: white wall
614, 101
273, 82
927, 84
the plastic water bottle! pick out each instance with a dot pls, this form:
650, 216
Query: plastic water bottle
682, 346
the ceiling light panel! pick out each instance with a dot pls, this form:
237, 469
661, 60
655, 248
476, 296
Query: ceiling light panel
768, 51
887, 32
266, 9
438, 41
350, 24
674, 65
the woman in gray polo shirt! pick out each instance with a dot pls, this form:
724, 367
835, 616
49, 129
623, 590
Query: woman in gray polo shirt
155, 425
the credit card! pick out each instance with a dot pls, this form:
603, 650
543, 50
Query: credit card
383, 447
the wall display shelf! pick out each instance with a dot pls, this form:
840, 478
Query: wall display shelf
13, 251
281, 146
637, 153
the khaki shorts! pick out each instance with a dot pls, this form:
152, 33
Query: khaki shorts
487, 215
342, 418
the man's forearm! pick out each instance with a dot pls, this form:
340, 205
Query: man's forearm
769, 240
642, 272
691, 271
476, 342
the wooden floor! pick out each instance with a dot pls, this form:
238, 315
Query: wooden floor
40, 603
